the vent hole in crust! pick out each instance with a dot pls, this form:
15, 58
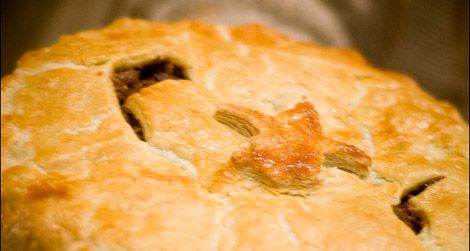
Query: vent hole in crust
411, 216
130, 80
134, 123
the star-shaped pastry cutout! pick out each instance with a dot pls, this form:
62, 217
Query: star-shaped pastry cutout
286, 152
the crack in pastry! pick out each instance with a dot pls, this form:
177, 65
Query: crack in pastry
409, 214
285, 152
128, 81
133, 122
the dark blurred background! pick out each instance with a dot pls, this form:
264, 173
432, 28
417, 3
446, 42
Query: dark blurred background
426, 39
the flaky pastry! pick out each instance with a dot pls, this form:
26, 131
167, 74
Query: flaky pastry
192, 136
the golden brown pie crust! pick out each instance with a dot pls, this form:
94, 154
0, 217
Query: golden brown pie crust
75, 176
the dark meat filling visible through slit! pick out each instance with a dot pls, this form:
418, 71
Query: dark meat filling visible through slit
133, 122
128, 81
414, 218
411, 216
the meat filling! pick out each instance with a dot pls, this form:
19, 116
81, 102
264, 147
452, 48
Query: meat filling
411, 216
128, 81
414, 218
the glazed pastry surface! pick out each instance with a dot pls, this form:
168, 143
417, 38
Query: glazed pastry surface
169, 136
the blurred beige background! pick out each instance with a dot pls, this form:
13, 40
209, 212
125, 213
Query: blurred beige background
425, 39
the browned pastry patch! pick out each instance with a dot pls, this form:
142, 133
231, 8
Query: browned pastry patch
285, 152
48, 189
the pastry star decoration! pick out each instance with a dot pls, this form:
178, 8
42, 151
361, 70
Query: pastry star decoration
286, 151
